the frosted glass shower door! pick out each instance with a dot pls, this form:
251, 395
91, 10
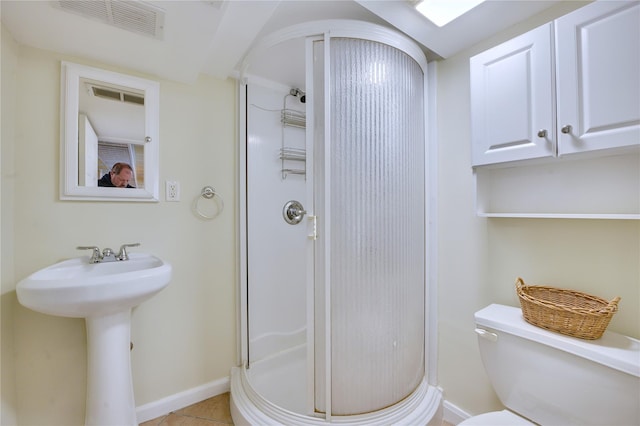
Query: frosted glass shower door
370, 194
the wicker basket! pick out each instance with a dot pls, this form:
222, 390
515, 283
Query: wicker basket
565, 311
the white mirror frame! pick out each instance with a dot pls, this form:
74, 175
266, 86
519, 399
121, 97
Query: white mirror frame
69, 107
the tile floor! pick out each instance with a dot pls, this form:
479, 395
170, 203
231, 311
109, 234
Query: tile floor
210, 412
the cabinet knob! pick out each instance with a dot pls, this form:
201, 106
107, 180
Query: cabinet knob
542, 133
566, 129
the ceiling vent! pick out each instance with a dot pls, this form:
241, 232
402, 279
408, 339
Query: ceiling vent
131, 15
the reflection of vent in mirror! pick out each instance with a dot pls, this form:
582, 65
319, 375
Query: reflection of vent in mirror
116, 95
132, 15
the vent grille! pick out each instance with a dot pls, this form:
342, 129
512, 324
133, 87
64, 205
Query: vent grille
131, 15
115, 94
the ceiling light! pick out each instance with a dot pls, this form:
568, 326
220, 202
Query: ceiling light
441, 12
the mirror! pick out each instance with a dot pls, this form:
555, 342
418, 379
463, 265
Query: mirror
108, 119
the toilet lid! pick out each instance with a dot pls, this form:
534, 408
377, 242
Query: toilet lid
496, 418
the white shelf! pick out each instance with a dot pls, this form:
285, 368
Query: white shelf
563, 216
606, 187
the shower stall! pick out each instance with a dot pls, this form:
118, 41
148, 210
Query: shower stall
336, 271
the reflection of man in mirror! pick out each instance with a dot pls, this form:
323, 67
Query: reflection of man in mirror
119, 176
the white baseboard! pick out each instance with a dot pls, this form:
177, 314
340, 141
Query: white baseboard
454, 414
182, 399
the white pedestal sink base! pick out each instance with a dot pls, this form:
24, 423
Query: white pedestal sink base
104, 294
110, 398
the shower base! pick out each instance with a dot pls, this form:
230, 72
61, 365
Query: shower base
281, 379
273, 398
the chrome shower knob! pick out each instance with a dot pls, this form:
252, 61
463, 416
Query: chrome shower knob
293, 212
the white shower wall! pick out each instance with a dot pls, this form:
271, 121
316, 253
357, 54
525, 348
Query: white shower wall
276, 249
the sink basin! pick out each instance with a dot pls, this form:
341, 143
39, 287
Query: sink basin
103, 294
79, 289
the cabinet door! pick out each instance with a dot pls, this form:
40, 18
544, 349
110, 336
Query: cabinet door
598, 77
512, 105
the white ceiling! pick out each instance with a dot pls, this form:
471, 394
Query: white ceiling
212, 37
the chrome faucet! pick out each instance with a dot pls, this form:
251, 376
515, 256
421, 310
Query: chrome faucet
107, 255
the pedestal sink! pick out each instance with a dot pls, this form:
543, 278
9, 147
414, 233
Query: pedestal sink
103, 294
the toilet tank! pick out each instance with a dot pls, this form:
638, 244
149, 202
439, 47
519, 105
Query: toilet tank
553, 379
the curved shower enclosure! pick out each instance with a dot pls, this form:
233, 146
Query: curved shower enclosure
335, 265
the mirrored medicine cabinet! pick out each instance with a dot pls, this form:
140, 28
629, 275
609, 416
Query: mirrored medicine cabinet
108, 118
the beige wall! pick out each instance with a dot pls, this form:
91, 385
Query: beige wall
184, 337
8, 74
479, 259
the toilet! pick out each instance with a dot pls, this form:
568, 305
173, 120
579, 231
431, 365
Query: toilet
547, 378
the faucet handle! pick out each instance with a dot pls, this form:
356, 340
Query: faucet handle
96, 256
122, 254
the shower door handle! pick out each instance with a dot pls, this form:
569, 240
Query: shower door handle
314, 231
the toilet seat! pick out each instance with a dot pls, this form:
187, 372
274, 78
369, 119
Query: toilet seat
496, 418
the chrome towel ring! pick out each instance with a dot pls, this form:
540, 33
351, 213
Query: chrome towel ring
208, 193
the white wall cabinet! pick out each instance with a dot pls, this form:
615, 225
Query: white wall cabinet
566, 87
598, 77
512, 98
555, 118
